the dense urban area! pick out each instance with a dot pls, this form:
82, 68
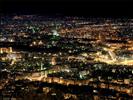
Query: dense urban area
66, 58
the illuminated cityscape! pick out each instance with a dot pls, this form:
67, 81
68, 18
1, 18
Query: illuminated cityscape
69, 58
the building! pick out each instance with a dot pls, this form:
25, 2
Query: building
6, 50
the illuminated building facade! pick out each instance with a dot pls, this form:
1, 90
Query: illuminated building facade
6, 50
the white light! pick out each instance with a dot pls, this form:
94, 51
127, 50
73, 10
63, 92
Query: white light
55, 32
11, 56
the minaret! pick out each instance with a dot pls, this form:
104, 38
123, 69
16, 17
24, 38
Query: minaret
41, 69
41, 66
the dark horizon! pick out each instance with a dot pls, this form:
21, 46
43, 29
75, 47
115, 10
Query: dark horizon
68, 8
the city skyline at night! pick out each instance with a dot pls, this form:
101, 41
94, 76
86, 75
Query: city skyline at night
54, 50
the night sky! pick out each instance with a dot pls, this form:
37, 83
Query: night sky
97, 8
